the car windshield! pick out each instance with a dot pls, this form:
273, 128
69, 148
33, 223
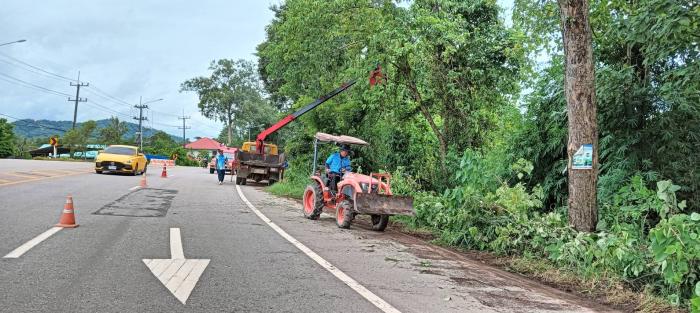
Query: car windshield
120, 150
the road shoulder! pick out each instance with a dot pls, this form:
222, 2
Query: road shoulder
411, 274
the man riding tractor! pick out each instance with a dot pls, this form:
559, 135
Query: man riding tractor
336, 165
348, 194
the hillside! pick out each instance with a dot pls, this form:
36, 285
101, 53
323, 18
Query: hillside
30, 128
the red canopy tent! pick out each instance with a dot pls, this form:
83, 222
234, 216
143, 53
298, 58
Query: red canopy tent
205, 144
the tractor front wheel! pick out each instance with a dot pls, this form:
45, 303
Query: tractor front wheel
344, 214
313, 201
379, 222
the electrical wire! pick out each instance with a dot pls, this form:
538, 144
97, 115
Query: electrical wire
27, 84
37, 68
32, 71
105, 94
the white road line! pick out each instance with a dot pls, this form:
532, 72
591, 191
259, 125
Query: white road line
176, 244
134, 188
31, 243
364, 292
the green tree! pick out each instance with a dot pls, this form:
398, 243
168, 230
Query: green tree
451, 70
7, 139
647, 90
579, 83
78, 138
160, 143
114, 132
222, 96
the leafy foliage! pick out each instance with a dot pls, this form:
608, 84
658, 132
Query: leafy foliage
448, 123
231, 92
7, 138
647, 89
114, 132
78, 138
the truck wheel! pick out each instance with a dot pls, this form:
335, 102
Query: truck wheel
211, 170
238, 181
98, 171
313, 201
271, 182
379, 222
344, 214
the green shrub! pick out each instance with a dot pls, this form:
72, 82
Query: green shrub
643, 238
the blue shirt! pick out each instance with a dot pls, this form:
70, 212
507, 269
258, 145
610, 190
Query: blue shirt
221, 162
335, 162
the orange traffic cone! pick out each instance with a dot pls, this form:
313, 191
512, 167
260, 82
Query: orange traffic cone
143, 181
164, 174
68, 217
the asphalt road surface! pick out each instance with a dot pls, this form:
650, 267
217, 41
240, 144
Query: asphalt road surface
187, 244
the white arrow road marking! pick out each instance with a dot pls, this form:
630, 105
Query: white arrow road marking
178, 274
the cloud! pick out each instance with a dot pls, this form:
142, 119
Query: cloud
125, 48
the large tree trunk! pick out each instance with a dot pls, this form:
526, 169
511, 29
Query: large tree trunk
426, 114
229, 133
581, 105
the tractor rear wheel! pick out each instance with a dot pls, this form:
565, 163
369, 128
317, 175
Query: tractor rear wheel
313, 201
379, 222
344, 214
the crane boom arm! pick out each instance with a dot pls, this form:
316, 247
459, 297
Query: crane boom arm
260, 139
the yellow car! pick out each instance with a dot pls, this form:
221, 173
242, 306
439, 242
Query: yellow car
120, 159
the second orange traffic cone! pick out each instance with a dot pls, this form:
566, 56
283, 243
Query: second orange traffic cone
164, 174
68, 216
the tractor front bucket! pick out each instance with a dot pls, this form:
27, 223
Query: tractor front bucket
371, 203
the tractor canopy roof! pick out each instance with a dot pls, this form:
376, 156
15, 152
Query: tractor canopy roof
342, 139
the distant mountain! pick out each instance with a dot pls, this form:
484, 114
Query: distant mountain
30, 128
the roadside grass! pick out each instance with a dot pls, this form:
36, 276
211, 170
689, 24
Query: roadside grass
603, 288
288, 188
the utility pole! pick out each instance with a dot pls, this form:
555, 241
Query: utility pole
141, 118
184, 127
77, 97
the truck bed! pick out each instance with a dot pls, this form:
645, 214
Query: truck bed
254, 159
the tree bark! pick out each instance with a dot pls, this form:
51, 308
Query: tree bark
426, 114
579, 86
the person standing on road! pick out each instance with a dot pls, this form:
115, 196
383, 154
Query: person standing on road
221, 166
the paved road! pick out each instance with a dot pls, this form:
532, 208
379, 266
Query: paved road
99, 266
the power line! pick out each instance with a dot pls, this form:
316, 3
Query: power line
32, 71
120, 101
37, 68
35, 86
107, 109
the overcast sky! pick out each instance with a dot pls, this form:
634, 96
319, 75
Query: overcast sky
125, 49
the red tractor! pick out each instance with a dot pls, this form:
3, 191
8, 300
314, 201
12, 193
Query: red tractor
355, 193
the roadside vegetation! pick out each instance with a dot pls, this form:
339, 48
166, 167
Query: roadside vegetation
471, 120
